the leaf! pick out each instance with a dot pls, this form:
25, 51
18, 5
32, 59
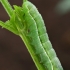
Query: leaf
9, 26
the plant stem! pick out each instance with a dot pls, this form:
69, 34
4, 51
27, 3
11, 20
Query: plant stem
34, 57
25, 0
7, 7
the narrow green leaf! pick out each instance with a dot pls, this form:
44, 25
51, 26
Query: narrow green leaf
8, 25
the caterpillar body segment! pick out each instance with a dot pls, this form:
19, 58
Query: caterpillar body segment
38, 38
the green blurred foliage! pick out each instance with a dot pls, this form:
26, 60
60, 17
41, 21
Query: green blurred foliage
63, 7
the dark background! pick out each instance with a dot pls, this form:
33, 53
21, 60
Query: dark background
13, 53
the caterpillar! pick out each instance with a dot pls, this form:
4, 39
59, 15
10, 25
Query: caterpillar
30, 25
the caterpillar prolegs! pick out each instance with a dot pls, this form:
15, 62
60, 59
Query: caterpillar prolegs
29, 25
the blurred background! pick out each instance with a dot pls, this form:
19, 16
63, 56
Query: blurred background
56, 14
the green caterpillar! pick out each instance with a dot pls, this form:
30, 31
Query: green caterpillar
30, 25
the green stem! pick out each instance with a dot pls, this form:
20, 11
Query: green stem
7, 7
25, 0
34, 57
